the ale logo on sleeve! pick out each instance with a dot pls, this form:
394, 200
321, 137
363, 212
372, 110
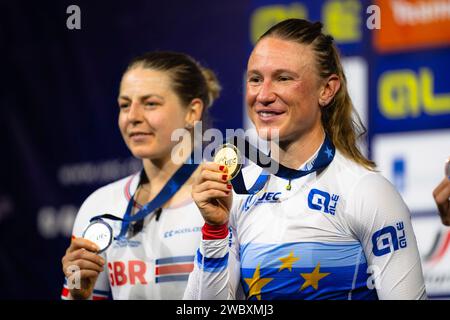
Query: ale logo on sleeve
389, 239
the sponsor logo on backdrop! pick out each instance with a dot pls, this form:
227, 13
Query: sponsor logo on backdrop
56, 221
410, 24
435, 263
344, 20
413, 162
407, 94
88, 173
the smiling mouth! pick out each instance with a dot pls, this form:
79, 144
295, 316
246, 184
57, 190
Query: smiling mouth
139, 136
134, 134
267, 115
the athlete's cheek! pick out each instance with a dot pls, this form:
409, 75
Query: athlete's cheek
122, 123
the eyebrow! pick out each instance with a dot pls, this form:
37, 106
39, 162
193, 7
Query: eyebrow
142, 98
276, 72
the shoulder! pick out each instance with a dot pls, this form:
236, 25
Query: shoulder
115, 190
102, 200
349, 175
358, 176
365, 191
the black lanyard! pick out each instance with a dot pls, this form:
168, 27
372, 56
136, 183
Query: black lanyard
270, 166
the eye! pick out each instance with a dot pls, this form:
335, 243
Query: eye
284, 78
254, 79
152, 104
123, 105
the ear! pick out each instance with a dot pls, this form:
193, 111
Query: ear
194, 112
329, 89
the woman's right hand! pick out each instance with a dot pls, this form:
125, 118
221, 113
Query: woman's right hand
212, 193
81, 255
441, 196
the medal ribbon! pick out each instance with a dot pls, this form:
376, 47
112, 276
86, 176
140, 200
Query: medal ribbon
170, 188
269, 165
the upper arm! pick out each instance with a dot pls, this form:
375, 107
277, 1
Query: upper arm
382, 223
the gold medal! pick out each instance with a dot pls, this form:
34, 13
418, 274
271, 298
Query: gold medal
229, 156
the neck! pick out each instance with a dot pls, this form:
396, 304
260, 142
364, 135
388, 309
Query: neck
293, 154
160, 170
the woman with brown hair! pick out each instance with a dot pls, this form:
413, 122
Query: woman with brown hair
154, 246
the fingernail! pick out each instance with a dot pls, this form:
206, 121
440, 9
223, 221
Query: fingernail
229, 186
225, 177
227, 192
221, 168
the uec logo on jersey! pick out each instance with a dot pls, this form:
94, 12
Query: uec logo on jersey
389, 239
322, 201
267, 197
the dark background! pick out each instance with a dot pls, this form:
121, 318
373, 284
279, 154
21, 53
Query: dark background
58, 106
58, 111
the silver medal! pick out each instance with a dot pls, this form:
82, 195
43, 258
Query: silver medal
100, 233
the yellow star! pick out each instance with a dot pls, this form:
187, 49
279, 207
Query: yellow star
256, 283
287, 261
312, 279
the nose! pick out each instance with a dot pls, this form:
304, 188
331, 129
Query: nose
135, 113
266, 94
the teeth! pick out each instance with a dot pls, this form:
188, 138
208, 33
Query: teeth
266, 113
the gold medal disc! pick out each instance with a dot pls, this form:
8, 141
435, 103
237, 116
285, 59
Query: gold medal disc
229, 156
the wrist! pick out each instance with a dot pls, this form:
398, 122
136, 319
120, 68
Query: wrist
215, 232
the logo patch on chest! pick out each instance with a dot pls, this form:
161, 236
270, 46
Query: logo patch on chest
266, 197
322, 201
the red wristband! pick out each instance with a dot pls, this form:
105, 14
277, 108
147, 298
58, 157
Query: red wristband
211, 232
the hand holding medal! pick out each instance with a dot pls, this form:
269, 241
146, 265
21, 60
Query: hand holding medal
81, 257
212, 190
441, 195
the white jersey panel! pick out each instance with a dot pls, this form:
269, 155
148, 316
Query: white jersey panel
342, 233
156, 262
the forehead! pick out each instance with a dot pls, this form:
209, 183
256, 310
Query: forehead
141, 80
274, 53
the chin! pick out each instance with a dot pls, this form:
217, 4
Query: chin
269, 133
143, 153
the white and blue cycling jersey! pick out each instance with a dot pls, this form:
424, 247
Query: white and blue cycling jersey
155, 262
341, 233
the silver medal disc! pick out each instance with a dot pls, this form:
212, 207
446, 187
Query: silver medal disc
100, 233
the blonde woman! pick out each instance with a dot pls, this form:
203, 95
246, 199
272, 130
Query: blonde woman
335, 230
